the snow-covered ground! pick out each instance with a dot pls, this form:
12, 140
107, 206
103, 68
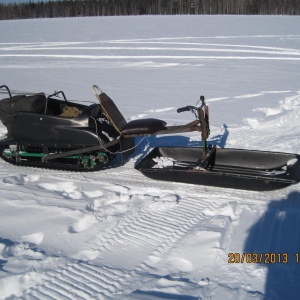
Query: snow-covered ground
116, 234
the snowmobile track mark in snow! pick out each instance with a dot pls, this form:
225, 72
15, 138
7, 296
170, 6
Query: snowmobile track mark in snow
78, 281
93, 280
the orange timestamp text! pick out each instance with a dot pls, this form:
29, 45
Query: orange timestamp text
258, 258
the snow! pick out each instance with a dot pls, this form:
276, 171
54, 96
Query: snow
116, 234
163, 162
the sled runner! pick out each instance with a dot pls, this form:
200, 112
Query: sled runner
53, 132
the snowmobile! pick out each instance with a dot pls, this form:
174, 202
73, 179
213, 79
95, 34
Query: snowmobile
54, 132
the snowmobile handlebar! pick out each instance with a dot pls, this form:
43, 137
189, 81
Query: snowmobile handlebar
192, 108
186, 108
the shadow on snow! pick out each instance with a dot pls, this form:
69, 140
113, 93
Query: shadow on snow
278, 232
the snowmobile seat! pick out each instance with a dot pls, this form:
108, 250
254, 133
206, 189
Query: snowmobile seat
135, 127
144, 127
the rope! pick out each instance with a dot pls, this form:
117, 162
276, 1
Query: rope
117, 152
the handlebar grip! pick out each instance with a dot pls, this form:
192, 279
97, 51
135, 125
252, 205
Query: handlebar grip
182, 109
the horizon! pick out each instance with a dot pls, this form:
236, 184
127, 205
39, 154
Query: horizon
20, 1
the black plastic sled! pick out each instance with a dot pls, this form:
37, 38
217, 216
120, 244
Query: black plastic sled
229, 168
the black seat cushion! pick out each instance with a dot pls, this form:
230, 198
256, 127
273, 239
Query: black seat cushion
112, 112
144, 126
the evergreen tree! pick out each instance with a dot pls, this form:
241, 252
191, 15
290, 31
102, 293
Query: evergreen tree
76, 8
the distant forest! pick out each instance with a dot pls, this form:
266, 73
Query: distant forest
77, 8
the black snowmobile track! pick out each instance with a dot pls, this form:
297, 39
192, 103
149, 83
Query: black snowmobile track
50, 165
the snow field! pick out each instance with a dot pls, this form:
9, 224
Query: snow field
116, 234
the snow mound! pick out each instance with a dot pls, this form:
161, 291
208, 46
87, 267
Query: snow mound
13, 286
35, 238
67, 189
83, 224
21, 179
289, 103
93, 194
85, 255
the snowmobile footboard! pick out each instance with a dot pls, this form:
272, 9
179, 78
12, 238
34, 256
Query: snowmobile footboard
230, 168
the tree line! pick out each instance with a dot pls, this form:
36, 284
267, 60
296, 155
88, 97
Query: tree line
76, 8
